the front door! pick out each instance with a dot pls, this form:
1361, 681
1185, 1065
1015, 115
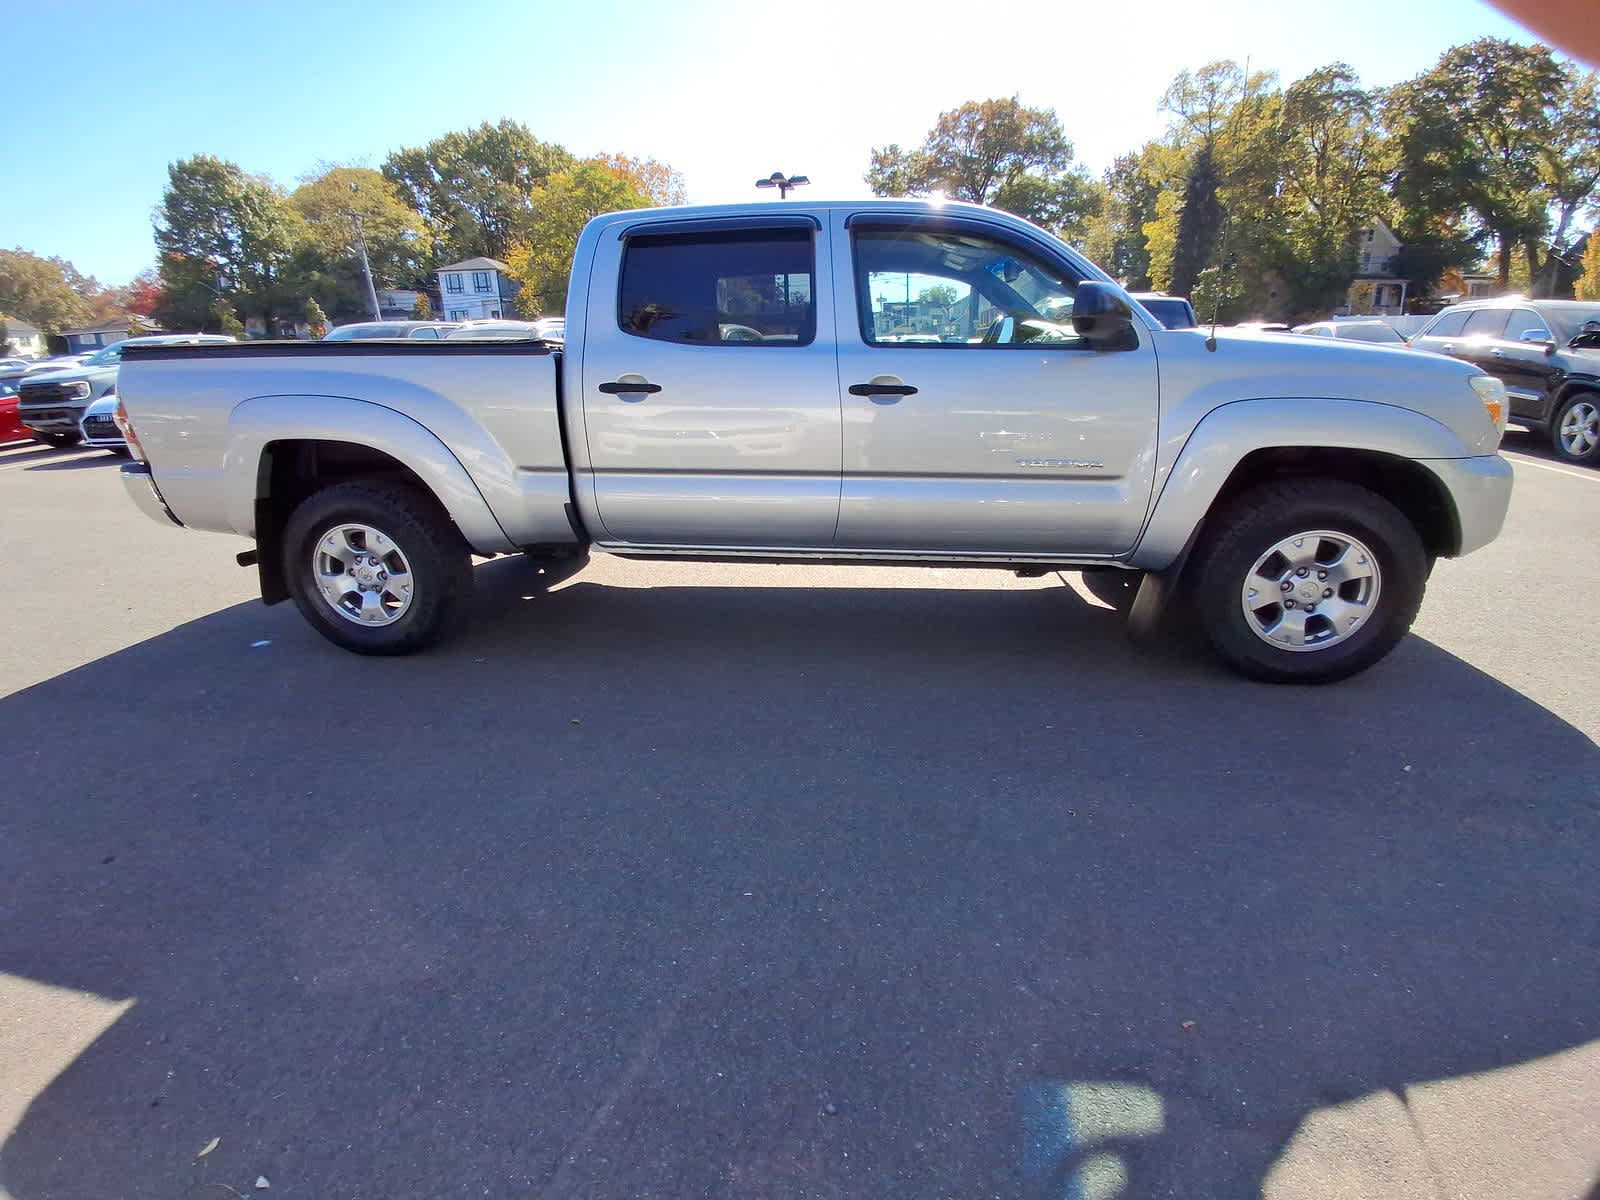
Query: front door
710, 388
975, 420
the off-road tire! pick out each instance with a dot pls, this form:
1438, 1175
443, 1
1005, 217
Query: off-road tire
438, 557
1251, 523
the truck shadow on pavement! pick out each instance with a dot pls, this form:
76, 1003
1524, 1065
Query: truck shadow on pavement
765, 892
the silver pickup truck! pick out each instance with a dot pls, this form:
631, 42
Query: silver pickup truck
871, 382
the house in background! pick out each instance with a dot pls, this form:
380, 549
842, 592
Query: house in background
1376, 291
88, 338
26, 341
476, 289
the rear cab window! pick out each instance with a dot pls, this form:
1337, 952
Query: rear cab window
744, 287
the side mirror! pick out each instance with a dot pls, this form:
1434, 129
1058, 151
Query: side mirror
1537, 337
1101, 315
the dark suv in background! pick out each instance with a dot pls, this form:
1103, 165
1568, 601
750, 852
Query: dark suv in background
1548, 354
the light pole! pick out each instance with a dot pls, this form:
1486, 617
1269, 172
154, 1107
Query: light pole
366, 267
777, 180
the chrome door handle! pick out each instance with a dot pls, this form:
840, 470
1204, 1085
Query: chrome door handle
1497, 354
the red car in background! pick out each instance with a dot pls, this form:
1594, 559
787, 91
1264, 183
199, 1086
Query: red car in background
11, 427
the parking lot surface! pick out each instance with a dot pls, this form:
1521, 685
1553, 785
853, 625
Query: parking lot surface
749, 881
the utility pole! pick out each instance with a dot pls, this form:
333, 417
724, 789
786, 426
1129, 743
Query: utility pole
782, 183
366, 267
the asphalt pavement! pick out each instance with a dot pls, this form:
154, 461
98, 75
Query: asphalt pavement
743, 881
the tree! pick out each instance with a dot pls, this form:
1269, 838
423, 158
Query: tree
1475, 134
541, 256
1588, 287
474, 188
1569, 174
399, 247
995, 152
422, 310
1225, 138
940, 295
38, 291
144, 293
650, 178
1115, 237
316, 319
1331, 165
228, 233
227, 321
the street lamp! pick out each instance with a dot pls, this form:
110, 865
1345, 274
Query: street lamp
777, 180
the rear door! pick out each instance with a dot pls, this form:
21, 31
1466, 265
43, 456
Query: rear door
710, 387
975, 420
1520, 357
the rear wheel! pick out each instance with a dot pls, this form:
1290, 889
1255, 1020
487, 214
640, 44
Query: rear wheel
61, 441
1307, 581
1575, 432
376, 567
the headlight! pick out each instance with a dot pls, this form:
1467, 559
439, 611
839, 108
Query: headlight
80, 390
1493, 394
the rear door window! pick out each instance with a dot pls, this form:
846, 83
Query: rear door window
744, 287
1487, 322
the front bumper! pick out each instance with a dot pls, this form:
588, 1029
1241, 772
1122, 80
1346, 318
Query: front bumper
140, 485
52, 418
1480, 490
100, 430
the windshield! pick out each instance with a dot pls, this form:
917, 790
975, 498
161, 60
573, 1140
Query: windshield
1172, 312
1371, 333
1568, 324
108, 357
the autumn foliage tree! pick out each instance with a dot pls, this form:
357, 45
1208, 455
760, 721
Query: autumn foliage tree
995, 152
541, 255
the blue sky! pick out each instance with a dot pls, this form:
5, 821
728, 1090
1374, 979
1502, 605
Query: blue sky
104, 96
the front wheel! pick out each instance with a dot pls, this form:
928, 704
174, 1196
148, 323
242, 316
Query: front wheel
1307, 581
376, 568
1575, 432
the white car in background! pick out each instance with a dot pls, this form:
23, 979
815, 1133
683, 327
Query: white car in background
99, 428
1378, 332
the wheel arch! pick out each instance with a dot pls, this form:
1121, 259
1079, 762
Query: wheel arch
1248, 443
327, 439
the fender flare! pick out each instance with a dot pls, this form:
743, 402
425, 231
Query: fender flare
1225, 435
260, 420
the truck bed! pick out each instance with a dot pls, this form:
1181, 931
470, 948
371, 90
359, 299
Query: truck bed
478, 422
